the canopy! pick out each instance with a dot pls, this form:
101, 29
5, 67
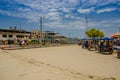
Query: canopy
98, 38
107, 38
84, 39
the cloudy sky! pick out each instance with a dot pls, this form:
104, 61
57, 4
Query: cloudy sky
66, 17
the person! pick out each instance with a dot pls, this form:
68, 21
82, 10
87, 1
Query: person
86, 44
118, 43
9, 42
101, 45
104, 43
23, 42
107, 44
4, 42
83, 44
15, 41
110, 43
28, 42
20, 42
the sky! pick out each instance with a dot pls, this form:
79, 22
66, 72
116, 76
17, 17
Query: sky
66, 17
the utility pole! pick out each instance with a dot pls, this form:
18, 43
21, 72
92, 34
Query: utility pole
86, 21
41, 29
69, 35
119, 28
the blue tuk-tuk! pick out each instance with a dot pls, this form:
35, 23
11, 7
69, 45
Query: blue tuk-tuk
105, 45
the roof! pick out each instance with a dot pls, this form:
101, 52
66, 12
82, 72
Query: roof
98, 38
14, 31
59, 36
115, 35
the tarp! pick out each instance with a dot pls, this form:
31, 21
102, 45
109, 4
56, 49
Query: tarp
106, 38
84, 39
92, 38
98, 38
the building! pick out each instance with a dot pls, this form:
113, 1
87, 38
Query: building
49, 36
6, 34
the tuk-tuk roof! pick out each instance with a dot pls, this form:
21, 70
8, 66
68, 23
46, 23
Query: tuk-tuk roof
98, 38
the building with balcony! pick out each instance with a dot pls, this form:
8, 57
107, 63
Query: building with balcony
6, 34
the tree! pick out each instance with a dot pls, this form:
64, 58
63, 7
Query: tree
94, 33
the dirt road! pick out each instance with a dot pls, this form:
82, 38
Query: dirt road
58, 63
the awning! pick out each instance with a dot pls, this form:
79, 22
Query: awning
115, 35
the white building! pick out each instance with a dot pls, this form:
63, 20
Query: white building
6, 34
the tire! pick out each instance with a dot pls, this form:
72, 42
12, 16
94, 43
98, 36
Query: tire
99, 50
111, 51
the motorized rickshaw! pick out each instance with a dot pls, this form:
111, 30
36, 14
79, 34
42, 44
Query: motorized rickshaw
92, 44
89, 43
105, 45
84, 43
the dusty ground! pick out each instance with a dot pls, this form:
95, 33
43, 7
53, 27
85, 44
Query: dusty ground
58, 63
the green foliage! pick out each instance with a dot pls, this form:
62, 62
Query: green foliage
94, 33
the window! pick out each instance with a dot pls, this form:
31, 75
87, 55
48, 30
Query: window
10, 36
4, 36
20, 36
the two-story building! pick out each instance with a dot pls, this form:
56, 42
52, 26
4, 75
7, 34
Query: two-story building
6, 34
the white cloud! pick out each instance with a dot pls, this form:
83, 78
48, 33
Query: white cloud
96, 3
104, 23
43, 7
66, 9
107, 26
73, 1
24, 10
85, 11
106, 10
76, 24
5, 12
53, 16
116, 21
54, 10
106, 2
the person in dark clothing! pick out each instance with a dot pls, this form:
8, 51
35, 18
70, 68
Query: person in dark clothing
101, 47
118, 43
10, 42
